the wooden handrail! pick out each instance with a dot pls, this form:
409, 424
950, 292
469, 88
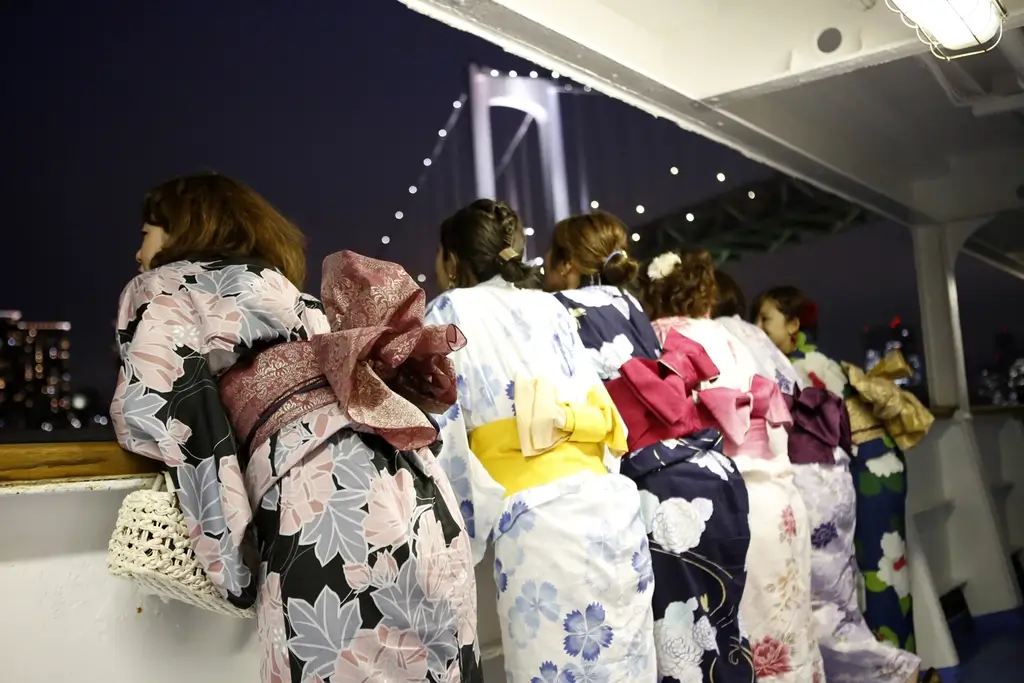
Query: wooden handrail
31, 462
28, 462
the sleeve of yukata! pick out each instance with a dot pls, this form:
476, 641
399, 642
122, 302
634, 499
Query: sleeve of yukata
480, 497
167, 407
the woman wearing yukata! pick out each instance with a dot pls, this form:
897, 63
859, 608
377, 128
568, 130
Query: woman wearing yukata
532, 449
819, 447
884, 421
297, 440
695, 501
679, 291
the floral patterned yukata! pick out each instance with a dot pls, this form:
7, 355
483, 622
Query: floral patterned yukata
850, 650
695, 509
572, 565
878, 470
353, 548
776, 609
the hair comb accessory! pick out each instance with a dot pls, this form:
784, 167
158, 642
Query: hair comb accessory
507, 254
613, 255
809, 314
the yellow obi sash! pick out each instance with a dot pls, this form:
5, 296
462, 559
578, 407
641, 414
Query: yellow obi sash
548, 439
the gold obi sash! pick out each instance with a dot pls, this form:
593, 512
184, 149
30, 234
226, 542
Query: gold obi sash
878, 406
548, 439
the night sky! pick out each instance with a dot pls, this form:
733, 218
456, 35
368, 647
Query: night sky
328, 109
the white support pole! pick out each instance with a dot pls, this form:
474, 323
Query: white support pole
935, 252
949, 496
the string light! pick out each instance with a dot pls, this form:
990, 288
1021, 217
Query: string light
555, 74
674, 170
595, 204
528, 232
539, 261
640, 208
495, 73
428, 162
568, 87
721, 177
751, 194
587, 88
689, 217
512, 74
533, 74
636, 236
421, 278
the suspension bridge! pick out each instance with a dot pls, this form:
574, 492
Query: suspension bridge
550, 147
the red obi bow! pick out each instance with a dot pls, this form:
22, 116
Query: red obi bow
655, 398
385, 366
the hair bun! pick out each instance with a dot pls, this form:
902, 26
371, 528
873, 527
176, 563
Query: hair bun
619, 269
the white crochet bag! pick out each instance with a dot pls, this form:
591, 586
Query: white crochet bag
150, 546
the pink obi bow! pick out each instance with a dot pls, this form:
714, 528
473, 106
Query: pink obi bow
655, 398
385, 366
732, 410
379, 362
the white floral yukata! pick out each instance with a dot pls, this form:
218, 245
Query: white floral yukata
363, 569
572, 564
776, 607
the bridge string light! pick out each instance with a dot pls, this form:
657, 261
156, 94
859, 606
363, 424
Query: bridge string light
428, 162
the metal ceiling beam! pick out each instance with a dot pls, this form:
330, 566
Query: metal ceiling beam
782, 211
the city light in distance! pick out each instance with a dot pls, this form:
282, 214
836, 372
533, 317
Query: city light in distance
385, 240
639, 208
412, 189
595, 204
528, 232
457, 104
751, 194
441, 133
636, 236
674, 170
495, 73
421, 278
512, 74
427, 162
721, 177
689, 217
399, 215
533, 74
555, 74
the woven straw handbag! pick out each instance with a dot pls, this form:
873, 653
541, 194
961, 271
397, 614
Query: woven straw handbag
150, 546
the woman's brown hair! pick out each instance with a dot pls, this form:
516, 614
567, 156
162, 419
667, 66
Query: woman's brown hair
486, 239
210, 216
730, 297
596, 243
689, 290
793, 304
